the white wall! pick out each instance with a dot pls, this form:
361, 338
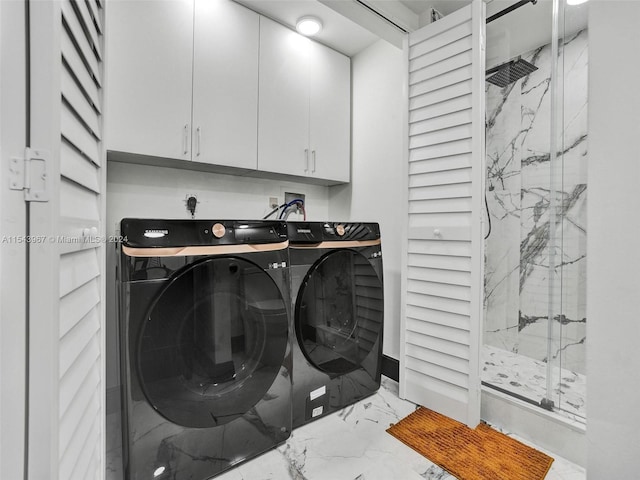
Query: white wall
377, 182
613, 246
157, 192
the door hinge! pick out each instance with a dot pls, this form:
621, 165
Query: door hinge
31, 174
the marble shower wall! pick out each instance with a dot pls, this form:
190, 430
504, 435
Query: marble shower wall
518, 251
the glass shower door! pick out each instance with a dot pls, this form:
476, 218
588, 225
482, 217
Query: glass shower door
536, 245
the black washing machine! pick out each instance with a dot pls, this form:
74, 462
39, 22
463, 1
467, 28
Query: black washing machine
205, 352
338, 305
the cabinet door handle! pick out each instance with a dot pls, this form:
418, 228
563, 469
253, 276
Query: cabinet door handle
185, 138
198, 141
306, 158
313, 157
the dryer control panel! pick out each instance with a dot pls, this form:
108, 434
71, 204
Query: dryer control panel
151, 233
316, 232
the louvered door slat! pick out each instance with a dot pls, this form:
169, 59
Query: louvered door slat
79, 38
77, 201
77, 269
438, 344
442, 359
460, 60
433, 84
84, 440
74, 63
76, 167
79, 104
95, 15
78, 135
74, 341
459, 45
77, 304
80, 404
440, 247
436, 368
80, 426
445, 121
441, 150
443, 108
442, 278
443, 321
91, 469
444, 290
450, 36
84, 370
440, 164
86, 22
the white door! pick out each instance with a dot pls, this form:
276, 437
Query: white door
66, 287
283, 116
13, 228
225, 84
443, 276
150, 48
330, 113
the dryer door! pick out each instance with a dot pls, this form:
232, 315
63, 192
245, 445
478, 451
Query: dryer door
339, 312
213, 342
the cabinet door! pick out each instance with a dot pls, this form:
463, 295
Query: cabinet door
149, 48
283, 115
225, 84
330, 113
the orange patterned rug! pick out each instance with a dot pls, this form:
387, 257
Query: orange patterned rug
480, 454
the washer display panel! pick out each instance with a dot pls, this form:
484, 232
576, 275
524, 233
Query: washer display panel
213, 342
339, 311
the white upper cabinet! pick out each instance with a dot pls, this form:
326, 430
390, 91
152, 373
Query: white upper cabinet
149, 59
330, 113
304, 106
213, 82
283, 122
225, 84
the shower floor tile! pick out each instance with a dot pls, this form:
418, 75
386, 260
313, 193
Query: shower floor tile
527, 377
349, 445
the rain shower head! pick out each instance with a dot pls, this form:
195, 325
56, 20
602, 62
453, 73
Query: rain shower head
509, 72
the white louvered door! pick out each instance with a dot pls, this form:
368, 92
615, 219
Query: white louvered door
66, 286
443, 277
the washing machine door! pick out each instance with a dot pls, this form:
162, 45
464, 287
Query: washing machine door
213, 342
339, 312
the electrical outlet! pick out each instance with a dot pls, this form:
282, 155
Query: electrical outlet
289, 196
273, 202
191, 201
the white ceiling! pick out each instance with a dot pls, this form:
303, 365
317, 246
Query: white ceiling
521, 30
338, 32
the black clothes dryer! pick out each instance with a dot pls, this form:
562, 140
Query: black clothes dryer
337, 299
205, 352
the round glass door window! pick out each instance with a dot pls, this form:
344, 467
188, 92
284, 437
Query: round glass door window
339, 311
213, 342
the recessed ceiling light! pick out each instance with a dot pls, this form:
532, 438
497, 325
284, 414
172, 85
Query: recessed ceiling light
308, 25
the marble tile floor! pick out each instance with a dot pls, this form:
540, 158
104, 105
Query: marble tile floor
349, 445
527, 377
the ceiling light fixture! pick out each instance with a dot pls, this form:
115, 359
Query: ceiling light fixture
575, 2
309, 26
